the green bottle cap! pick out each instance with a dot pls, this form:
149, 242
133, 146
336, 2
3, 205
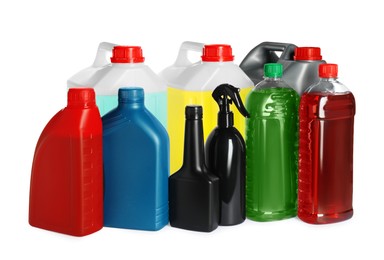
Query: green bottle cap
273, 70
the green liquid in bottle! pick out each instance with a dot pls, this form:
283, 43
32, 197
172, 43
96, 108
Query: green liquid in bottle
272, 154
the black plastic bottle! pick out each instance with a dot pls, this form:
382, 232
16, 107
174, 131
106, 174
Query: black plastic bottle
193, 190
225, 156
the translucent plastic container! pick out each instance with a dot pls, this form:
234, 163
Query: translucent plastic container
272, 148
327, 111
127, 68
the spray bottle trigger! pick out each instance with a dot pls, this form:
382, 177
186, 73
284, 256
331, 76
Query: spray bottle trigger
226, 94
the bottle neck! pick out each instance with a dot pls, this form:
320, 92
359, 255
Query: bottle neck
88, 105
194, 145
272, 82
128, 65
269, 79
132, 105
225, 118
215, 63
328, 79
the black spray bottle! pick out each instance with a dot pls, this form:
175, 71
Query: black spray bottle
193, 190
225, 156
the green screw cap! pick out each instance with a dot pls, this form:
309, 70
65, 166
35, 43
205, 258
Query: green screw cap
273, 70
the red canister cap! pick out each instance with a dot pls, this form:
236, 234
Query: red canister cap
217, 52
307, 53
127, 54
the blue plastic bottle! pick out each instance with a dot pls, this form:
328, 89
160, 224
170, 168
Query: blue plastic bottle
136, 165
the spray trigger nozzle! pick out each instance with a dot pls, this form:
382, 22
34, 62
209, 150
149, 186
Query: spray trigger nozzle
225, 95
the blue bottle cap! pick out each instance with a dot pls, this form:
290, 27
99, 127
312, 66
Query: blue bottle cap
131, 95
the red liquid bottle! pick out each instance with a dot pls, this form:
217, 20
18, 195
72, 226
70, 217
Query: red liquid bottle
66, 190
325, 186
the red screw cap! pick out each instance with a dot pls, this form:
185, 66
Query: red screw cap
127, 54
307, 53
217, 52
81, 97
328, 70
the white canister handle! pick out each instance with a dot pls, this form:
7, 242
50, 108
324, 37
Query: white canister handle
103, 50
187, 46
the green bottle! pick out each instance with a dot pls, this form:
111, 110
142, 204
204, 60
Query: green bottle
272, 148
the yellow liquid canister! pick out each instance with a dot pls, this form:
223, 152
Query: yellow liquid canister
193, 85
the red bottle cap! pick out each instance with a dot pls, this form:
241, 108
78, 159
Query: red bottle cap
84, 97
217, 52
328, 70
127, 54
307, 53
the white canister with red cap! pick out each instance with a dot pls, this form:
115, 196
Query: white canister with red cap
125, 69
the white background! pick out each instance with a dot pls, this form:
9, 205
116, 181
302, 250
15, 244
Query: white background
43, 43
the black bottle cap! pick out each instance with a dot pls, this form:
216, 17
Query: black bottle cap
193, 112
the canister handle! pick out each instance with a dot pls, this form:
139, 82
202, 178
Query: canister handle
265, 53
187, 46
103, 50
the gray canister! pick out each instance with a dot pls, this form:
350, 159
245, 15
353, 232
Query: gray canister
300, 64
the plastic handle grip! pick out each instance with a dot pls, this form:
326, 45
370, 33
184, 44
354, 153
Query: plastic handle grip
101, 55
287, 49
262, 53
187, 46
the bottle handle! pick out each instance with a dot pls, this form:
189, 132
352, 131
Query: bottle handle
187, 46
101, 55
264, 53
